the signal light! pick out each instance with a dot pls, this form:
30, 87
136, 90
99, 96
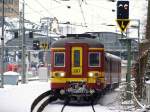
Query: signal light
15, 34
30, 34
36, 45
45, 45
19, 55
122, 9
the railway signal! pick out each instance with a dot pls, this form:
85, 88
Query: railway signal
123, 14
122, 9
123, 24
44, 45
30, 34
15, 34
36, 45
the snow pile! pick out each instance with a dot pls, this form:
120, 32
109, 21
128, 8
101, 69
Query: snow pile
11, 73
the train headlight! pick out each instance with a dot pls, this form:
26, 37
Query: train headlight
91, 74
59, 74
62, 74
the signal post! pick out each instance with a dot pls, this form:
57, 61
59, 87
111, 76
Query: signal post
123, 22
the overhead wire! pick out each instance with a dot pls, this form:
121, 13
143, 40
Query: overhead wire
21, 16
60, 6
39, 13
60, 3
80, 5
37, 1
57, 1
99, 6
34, 10
89, 4
82, 12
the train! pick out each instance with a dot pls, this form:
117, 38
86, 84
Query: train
81, 69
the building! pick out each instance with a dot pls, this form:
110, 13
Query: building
11, 8
115, 45
13, 49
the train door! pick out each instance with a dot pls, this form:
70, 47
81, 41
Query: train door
77, 61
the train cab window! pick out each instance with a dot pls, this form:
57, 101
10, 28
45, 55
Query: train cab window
76, 58
59, 59
94, 59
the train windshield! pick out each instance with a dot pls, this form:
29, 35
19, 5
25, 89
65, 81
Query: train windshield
94, 59
59, 59
76, 58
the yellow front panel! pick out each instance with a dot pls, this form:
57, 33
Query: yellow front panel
76, 69
88, 80
64, 80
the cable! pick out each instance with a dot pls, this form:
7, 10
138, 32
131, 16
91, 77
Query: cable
34, 10
57, 1
80, 5
28, 21
43, 7
95, 5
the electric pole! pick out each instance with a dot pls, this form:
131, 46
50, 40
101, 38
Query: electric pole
23, 47
48, 22
2, 48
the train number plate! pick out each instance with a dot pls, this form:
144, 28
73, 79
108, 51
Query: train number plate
76, 71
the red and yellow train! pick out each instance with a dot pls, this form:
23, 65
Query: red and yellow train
80, 67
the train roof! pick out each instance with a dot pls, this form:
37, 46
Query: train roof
108, 55
90, 41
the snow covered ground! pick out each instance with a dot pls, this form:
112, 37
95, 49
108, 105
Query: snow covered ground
19, 99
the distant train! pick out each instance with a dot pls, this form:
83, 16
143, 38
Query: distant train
81, 69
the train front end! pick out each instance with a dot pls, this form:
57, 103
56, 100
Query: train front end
77, 67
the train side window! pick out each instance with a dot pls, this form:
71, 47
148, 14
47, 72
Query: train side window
94, 59
59, 59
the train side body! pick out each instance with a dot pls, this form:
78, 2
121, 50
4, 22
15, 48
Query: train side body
112, 70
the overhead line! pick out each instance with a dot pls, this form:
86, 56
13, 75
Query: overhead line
57, 1
82, 12
21, 17
34, 10
43, 7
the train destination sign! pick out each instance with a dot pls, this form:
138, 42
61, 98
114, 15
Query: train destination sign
123, 24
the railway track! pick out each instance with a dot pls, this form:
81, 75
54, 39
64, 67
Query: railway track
64, 106
46, 98
42, 101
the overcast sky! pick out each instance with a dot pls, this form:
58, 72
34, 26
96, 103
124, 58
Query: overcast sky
96, 14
